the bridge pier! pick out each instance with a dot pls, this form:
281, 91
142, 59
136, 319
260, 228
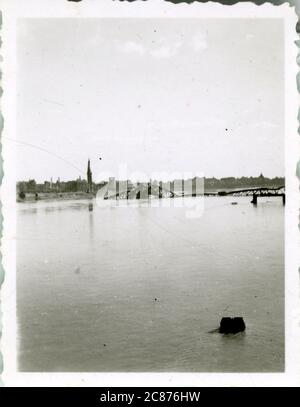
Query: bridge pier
255, 196
254, 199
172, 188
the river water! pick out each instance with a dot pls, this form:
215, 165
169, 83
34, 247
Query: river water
140, 289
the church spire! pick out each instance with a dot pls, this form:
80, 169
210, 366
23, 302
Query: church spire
89, 177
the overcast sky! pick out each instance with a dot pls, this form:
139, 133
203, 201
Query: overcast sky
158, 95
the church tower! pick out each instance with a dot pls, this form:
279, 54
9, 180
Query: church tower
89, 178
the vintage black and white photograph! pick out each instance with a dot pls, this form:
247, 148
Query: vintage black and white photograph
151, 194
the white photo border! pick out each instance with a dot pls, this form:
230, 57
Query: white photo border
14, 10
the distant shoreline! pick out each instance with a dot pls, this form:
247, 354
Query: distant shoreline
55, 196
64, 196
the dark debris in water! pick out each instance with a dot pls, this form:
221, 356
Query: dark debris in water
232, 326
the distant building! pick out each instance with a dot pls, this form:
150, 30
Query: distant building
112, 187
57, 185
47, 186
31, 186
22, 186
81, 185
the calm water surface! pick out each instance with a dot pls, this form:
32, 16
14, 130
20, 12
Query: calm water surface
88, 280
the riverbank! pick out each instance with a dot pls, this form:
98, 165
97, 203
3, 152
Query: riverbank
54, 196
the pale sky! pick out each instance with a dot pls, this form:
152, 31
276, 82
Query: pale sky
156, 94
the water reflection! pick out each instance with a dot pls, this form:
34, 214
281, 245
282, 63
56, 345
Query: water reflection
91, 222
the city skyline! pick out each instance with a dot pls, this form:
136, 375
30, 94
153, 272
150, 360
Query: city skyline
89, 179
87, 184
129, 189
